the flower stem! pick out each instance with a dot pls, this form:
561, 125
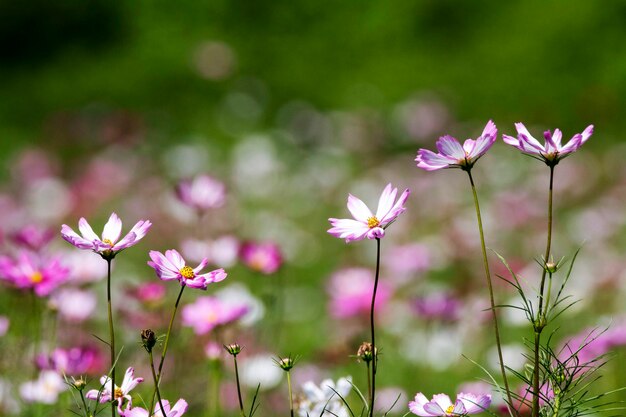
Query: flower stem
491, 297
243, 414
540, 321
290, 394
167, 339
111, 333
369, 382
156, 386
374, 354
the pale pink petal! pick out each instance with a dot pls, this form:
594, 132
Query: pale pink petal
201, 266
572, 145
430, 161
348, 229
397, 209
215, 276
449, 146
175, 259
385, 202
443, 400
525, 138
512, 141
556, 138
358, 209
179, 408
417, 406
112, 229
586, 134
72, 237
87, 231
474, 403
434, 409
459, 408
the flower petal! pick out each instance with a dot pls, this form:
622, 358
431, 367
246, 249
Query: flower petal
87, 231
358, 209
112, 229
450, 147
430, 161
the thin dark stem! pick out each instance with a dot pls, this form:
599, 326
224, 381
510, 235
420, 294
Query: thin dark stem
243, 414
490, 287
374, 355
167, 340
540, 320
156, 386
111, 334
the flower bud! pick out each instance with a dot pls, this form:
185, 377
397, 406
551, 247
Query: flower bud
79, 383
286, 363
234, 349
365, 352
148, 339
551, 267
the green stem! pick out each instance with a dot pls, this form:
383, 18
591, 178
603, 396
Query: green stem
290, 394
369, 382
243, 414
111, 334
156, 386
374, 355
214, 387
167, 340
491, 296
540, 321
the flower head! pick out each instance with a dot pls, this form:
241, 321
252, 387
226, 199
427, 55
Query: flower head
441, 406
552, 151
119, 394
30, 271
172, 266
178, 410
201, 193
208, 312
109, 245
453, 155
365, 223
326, 399
264, 257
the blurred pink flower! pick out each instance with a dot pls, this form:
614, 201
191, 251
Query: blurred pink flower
206, 313
32, 237
552, 152
453, 155
108, 246
437, 306
201, 193
264, 257
408, 259
172, 266
30, 271
366, 224
350, 291
222, 252
149, 292
440, 405
213, 350
77, 360
73, 304
178, 410
84, 269
45, 389
119, 394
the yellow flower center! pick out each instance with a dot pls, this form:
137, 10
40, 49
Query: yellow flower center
118, 393
450, 409
108, 242
187, 272
372, 222
36, 277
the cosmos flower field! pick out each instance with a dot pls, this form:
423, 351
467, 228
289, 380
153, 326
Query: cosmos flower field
271, 281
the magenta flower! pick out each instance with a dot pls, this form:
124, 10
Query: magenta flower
441, 406
178, 410
109, 245
350, 291
201, 193
206, 313
29, 271
32, 237
552, 151
172, 266
77, 360
119, 394
366, 224
453, 155
263, 257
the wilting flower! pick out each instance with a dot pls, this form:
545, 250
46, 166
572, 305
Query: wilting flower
366, 224
172, 266
441, 405
552, 152
263, 257
325, 400
453, 155
208, 312
119, 394
109, 245
30, 271
201, 193
178, 410
45, 389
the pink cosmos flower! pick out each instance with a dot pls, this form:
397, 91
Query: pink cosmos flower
453, 155
77, 360
73, 304
149, 292
109, 245
172, 266
263, 257
29, 271
553, 151
350, 291
32, 237
178, 410
441, 305
366, 224
206, 313
201, 193
118, 394
441, 406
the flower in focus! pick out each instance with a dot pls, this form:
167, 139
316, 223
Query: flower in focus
453, 155
45, 389
178, 410
324, 400
201, 193
208, 312
350, 291
119, 394
172, 266
441, 405
29, 271
366, 224
553, 151
109, 245
263, 257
